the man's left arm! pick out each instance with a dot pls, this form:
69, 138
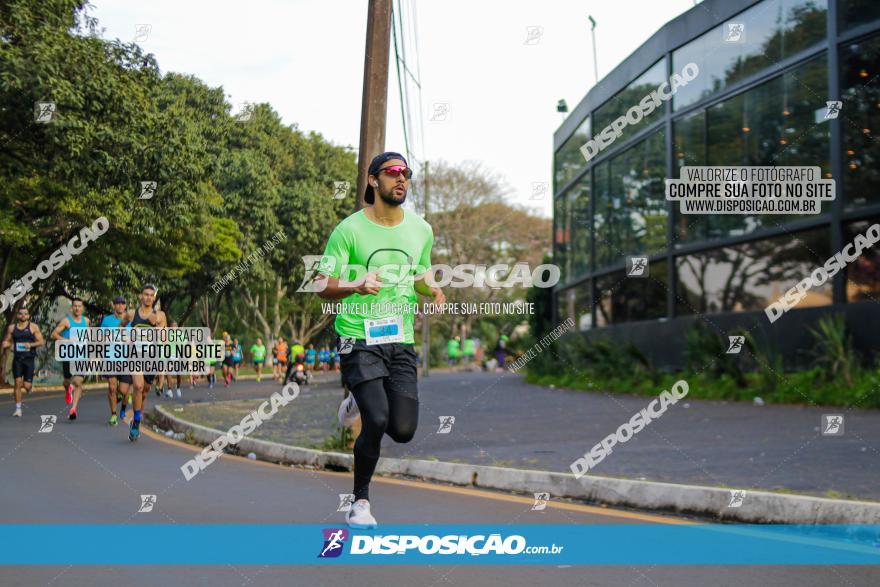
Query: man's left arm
420, 285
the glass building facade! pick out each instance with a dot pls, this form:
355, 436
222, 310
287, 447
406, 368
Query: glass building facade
758, 100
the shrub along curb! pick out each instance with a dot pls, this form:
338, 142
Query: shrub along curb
711, 502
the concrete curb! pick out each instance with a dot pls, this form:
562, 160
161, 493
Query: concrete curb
710, 502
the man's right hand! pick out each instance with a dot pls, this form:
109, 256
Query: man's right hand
370, 286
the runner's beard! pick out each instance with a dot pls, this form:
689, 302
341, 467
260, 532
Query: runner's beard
391, 200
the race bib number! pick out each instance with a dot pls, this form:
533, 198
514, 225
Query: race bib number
21, 347
384, 330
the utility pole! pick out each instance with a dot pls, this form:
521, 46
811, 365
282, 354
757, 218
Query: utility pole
375, 98
426, 318
595, 59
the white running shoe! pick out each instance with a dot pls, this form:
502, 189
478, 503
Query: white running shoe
359, 515
178, 393
16, 413
348, 412
169, 393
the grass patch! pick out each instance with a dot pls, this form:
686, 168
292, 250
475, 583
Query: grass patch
803, 387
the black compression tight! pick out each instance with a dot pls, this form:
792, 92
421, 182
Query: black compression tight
381, 413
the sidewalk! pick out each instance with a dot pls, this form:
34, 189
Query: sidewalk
502, 421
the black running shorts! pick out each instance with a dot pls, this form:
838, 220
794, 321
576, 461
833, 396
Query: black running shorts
23, 367
394, 360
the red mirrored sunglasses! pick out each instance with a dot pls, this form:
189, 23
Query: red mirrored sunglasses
395, 170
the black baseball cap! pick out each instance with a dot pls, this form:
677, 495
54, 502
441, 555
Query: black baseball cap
375, 166
119, 300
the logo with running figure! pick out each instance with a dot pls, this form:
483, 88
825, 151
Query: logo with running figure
735, 32
637, 267
832, 424
737, 496
346, 344
832, 109
340, 189
47, 423
446, 423
441, 111
345, 502
315, 264
539, 190
736, 344
44, 112
541, 500
148, 190
334, 541
147, 503
533, 35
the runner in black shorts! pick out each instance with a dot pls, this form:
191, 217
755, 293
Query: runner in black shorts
24, 337
117, 384
376, 346
145, 316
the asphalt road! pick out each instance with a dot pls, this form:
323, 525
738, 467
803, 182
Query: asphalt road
85, 472
501, 420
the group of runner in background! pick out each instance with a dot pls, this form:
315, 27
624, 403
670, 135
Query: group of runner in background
470, 350
23, 338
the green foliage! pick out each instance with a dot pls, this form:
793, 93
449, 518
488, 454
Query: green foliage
540, 323
707, 351
339, 441
834, 348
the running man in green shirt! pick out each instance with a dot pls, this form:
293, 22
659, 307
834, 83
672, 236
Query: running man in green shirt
390, 251
258, 352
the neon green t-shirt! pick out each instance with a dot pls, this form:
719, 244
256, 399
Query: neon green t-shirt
258, 352
397, 253
452, 348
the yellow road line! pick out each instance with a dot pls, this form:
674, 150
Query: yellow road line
469, 492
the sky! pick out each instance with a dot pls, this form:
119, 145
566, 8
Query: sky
491, 72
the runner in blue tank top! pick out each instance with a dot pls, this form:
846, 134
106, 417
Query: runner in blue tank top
118, 384
71, 322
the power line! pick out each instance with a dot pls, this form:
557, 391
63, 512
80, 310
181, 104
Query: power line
400, 79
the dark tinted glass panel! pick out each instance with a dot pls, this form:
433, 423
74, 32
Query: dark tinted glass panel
860, 92
631, 96
569, 159
562, 237
631, 209
627, 299
863, 274
688, 148
853, 13
579, 202
749, 42
780, 122
749, 276
575, 303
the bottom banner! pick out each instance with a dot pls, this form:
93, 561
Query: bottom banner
532, 544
